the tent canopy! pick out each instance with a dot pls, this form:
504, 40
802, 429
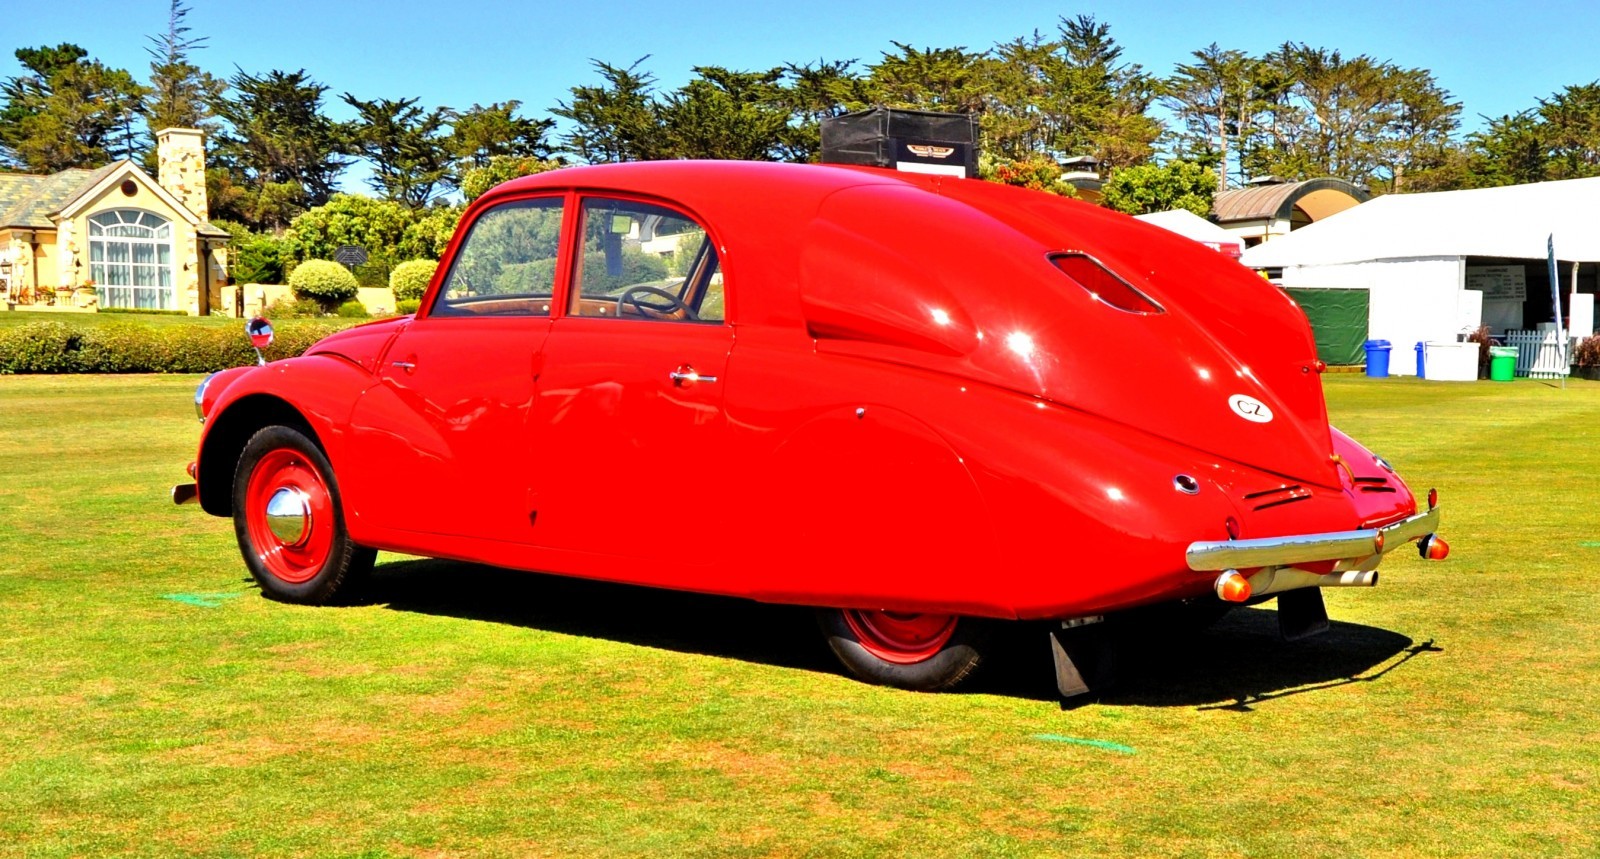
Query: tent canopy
1189, 225
1514, 221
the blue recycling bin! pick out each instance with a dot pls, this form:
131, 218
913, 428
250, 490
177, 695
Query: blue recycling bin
1422, 364
1377, 358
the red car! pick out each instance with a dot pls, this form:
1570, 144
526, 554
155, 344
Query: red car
914, 402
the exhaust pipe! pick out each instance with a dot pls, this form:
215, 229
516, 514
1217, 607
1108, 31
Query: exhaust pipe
1283, 579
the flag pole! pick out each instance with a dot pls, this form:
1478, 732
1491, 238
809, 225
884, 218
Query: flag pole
1555, 300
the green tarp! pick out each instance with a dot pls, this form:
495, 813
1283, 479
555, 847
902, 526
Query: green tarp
1339, 321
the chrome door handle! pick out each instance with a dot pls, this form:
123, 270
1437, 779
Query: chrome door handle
404, 365
686, 376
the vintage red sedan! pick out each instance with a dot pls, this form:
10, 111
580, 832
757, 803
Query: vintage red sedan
916, 403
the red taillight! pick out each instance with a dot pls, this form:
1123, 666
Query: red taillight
193, 469
1433, 498
1232, 587
1232, 525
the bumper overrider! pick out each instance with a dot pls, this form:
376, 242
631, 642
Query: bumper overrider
1260, 567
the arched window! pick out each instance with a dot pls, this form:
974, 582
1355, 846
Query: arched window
130, 259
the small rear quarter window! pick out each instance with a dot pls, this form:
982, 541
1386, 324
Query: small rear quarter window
1104, 286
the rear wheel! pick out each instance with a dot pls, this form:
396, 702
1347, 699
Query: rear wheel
289, 521
908, 650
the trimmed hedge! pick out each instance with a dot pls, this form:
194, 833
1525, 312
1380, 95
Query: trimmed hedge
54, 347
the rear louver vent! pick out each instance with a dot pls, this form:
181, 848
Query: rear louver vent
1279, 496
1373, 484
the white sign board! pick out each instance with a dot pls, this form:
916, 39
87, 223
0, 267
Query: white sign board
1582, 315
1469, 310
1498, 282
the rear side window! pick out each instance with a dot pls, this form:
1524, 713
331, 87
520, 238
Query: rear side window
1104, 286
643, 261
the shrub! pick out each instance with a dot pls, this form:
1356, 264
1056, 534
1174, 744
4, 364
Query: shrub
410, 279
54, 347
1588, 352
375, 274
1484, 337
353, 310
407, 305
293, 308
324, 280
259, 259
39, 347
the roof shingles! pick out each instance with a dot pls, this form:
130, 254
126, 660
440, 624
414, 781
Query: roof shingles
27, 201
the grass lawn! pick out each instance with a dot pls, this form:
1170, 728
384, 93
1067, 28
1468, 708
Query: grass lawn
153, 704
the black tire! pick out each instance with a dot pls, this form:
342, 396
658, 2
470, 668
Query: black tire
942, 664
320, 565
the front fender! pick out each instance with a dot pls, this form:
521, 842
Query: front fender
313, 393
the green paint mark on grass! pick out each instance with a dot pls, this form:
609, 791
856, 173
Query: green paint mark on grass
1590, 544
201, 600
1077, 741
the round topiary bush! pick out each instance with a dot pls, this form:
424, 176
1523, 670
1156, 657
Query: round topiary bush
410, 279
407, 305
324, 280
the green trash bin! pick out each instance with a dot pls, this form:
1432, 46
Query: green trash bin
1502, 363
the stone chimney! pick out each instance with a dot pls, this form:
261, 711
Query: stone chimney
181, 159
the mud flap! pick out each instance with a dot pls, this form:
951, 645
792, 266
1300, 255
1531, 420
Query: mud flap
1301, 614
1084, 660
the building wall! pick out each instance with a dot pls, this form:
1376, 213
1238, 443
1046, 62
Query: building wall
1413, 300
45, 255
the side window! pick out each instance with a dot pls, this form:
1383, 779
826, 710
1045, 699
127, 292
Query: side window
506, 266
641, 261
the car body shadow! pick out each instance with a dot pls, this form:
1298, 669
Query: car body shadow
1237, 664
780, 635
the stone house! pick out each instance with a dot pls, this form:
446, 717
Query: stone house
113, 237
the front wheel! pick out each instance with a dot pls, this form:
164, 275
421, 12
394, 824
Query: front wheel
908, 650
289, 521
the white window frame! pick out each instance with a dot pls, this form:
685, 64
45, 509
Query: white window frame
131, 257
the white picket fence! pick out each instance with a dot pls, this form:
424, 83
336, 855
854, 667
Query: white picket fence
1539, 353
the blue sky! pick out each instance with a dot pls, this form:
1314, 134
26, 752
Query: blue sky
1495, 58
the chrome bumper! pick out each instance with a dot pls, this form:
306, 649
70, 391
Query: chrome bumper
1352, 550
183, 493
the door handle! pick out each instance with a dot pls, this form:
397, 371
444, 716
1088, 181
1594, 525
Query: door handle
407, 366
685, 377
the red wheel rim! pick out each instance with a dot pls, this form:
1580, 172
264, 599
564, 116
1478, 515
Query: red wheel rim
299, 560
900, 637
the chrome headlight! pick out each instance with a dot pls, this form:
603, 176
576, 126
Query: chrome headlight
200, 397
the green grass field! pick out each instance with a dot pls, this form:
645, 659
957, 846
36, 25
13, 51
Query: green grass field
153, 704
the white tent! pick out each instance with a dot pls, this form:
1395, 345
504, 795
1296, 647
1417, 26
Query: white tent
1411, 252
1514, 221
1189, 225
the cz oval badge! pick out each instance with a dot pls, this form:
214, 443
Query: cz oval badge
1250, 409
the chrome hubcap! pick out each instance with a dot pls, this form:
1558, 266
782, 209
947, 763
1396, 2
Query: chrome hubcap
289, 515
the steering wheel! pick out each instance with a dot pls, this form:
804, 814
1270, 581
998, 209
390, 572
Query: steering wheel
630, 296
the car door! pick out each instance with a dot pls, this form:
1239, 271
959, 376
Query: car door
442, 435
629, 412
